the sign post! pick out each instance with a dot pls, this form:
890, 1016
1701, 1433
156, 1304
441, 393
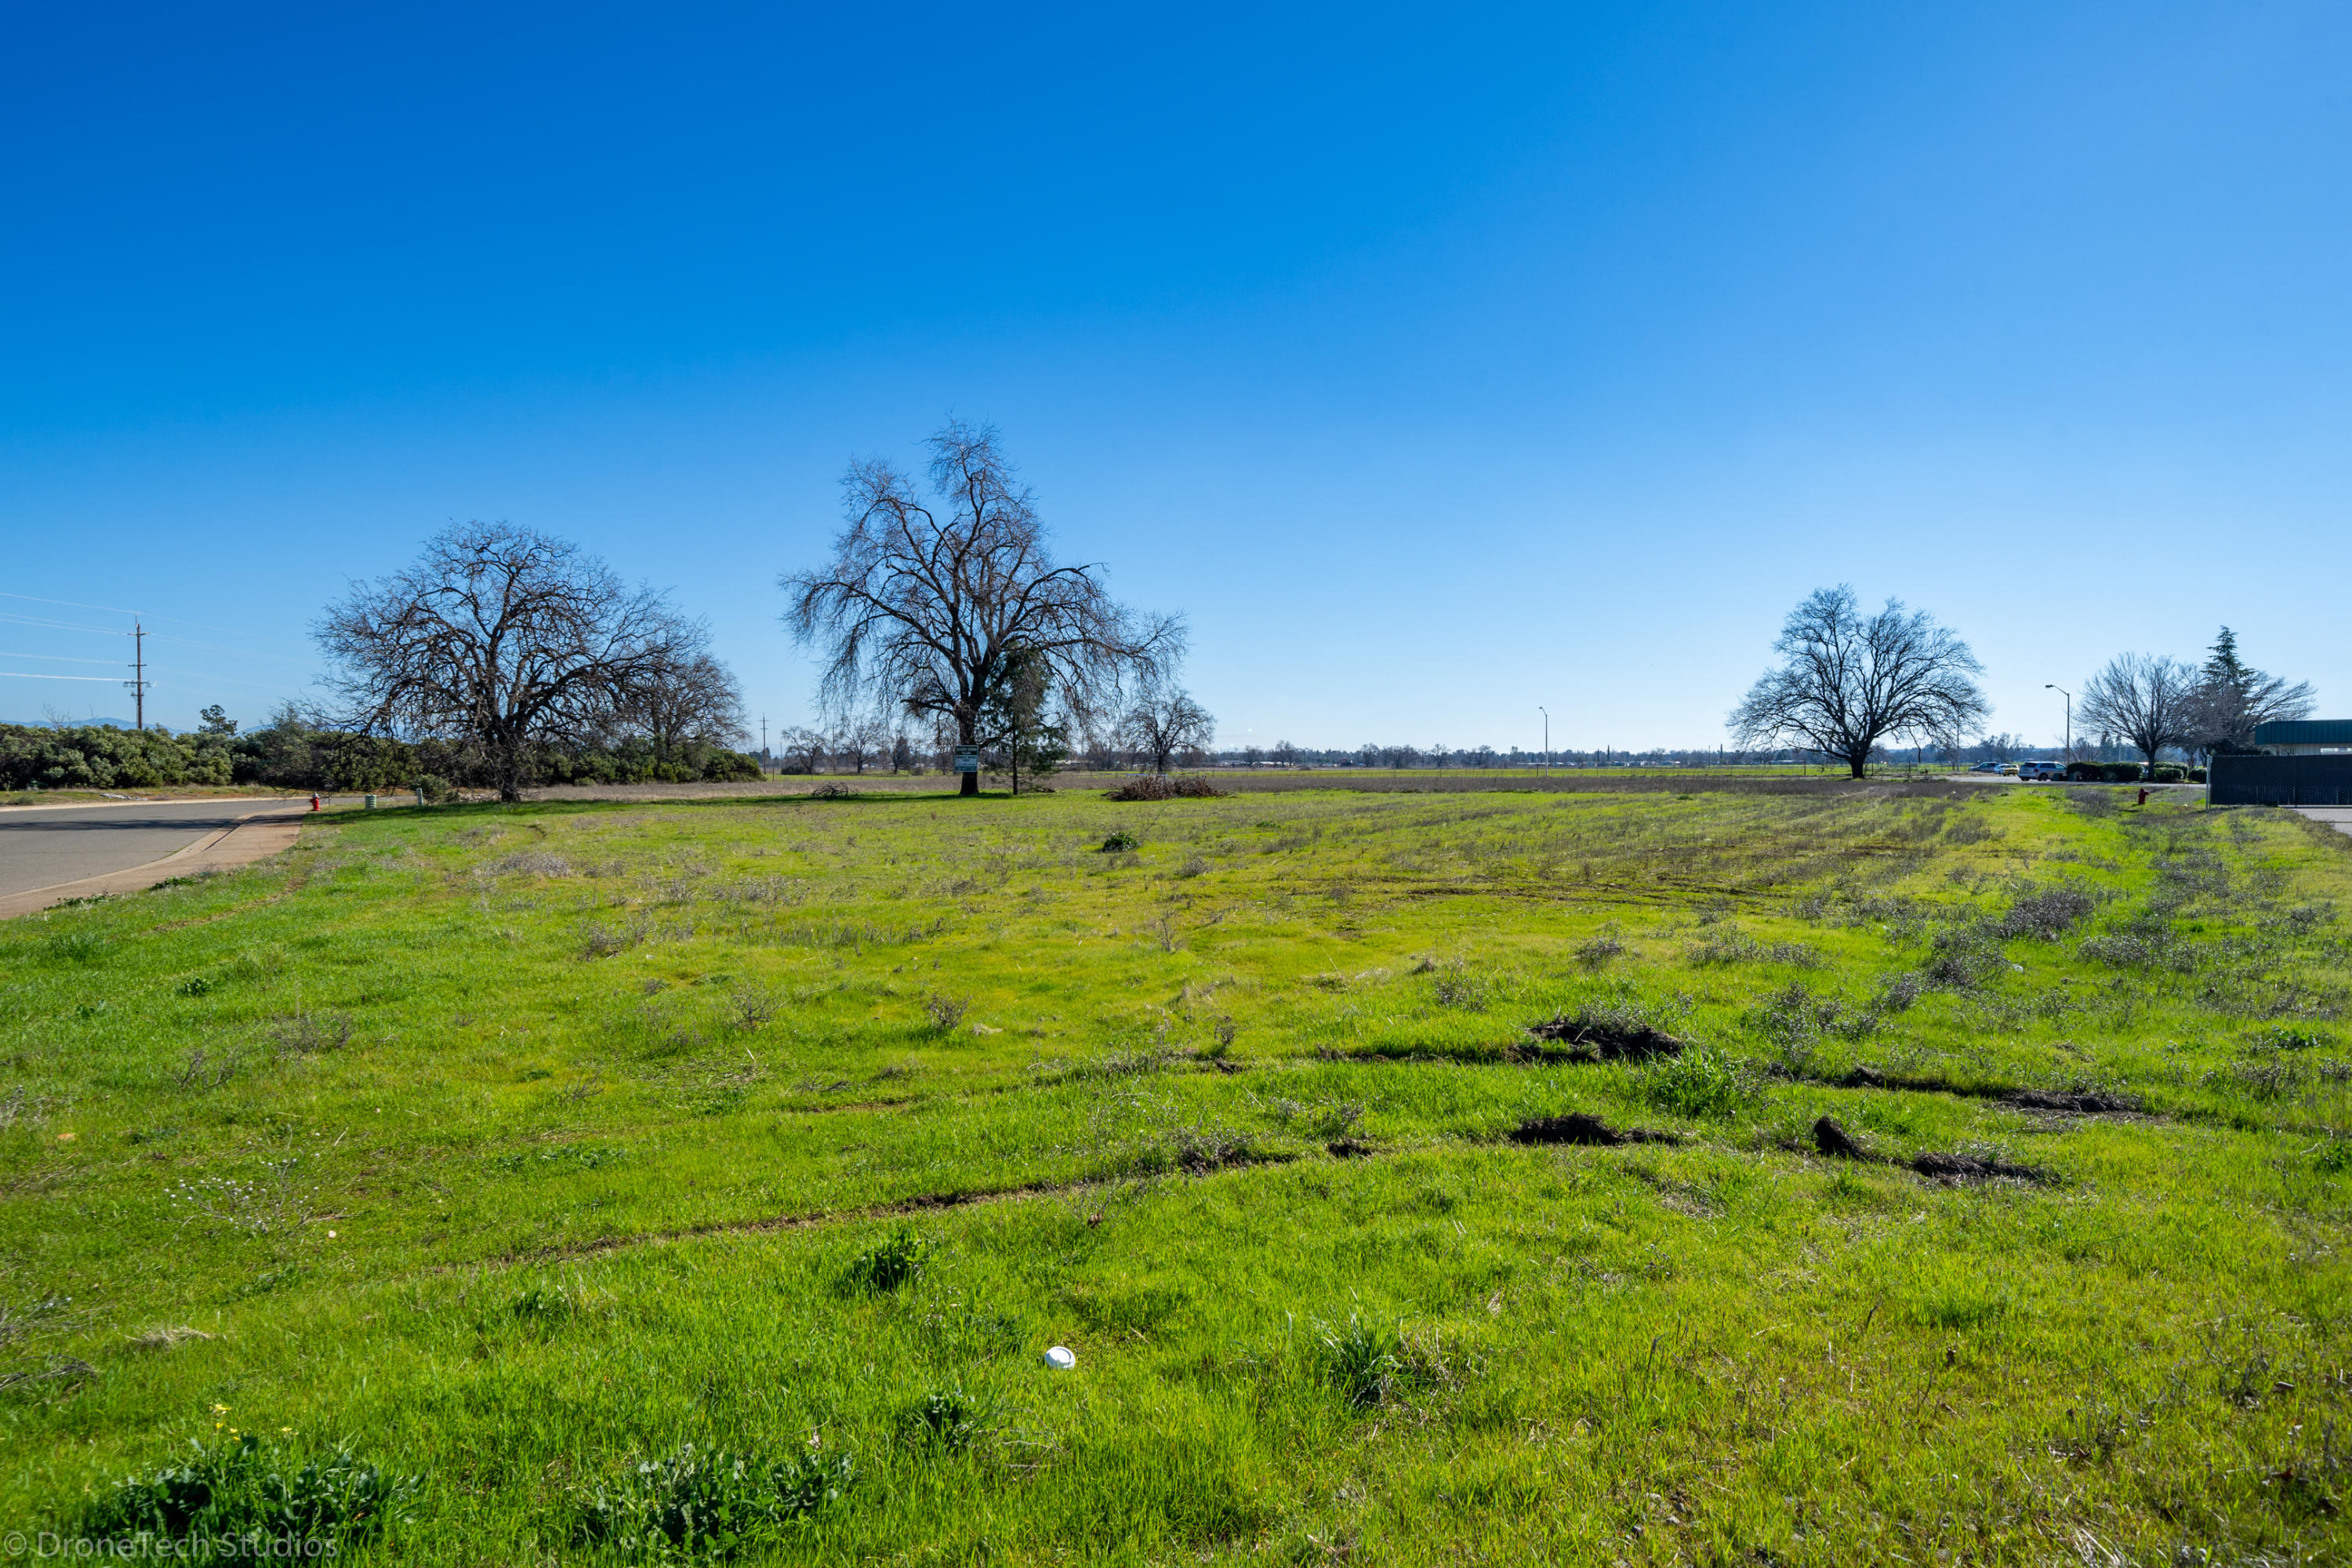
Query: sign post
967, 759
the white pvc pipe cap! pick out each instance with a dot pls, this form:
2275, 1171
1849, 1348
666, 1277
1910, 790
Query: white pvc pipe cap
1061, 1358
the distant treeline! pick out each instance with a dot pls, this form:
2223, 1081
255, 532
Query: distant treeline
293, 755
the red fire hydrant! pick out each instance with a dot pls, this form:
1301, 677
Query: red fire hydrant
314, 800
2143, 794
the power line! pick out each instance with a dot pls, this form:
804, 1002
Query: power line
59, 659
63, 625
175, 620
31, 675
70, 604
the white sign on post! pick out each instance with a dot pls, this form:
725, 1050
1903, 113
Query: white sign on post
967, 759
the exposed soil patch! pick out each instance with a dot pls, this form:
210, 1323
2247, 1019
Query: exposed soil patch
1835, 1143
2076, 1103
1347, 1148
1587, 1040
1583, 1128
2080, 1104
1961, 1168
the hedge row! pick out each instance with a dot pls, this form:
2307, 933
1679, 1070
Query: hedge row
295, 757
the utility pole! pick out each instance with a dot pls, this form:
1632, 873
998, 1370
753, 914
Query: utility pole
2053, 686
763, 740
139, 671
1546, 713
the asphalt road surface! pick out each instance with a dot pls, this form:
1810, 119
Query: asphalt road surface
41, 847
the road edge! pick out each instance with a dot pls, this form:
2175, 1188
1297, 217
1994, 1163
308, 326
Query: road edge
255, 837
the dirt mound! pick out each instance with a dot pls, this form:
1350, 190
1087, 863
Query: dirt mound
1161, 786
1605, 1040
2080, 1104
1961, 1168
1347, 1148
1835, 1142
1583, 1128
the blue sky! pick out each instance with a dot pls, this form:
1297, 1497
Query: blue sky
1437, 362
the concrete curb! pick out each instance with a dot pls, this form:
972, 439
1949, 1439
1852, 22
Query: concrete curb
256, 836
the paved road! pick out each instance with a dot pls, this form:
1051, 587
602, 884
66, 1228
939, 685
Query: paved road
2338, 817
41, 847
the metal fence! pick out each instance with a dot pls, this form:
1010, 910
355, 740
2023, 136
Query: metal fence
2279, 781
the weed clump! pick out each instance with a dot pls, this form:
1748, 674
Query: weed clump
1369, 1364
1701, 1084
709, 1505
898, 1259
268, 1502
2046, 914
949, 1420
944, 1011
1120, 842
1962, 958
1597, 950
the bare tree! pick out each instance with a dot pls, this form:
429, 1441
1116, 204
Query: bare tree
1285, 753
1166, 720
1849, 681
803, 749
502, 636
2233, 697
681, 701
2148, 700
919, 608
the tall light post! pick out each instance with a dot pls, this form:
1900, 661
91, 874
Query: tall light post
2053, 686
1546, 713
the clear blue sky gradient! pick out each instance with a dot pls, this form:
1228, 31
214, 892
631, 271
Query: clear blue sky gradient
1437, 362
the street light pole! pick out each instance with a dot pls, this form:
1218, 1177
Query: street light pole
2053, 686
1546, 713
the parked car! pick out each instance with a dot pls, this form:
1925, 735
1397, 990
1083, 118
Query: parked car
2008, 768
1986, 768
2045, 772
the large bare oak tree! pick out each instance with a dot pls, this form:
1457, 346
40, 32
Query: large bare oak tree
931, 609
2151, 700
505, 637
1849, 681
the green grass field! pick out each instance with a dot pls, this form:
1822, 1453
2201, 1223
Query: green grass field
483, 1160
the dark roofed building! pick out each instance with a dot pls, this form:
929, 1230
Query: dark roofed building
2305, 737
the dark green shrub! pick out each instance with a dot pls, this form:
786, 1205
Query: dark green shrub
267, 1497
1120, 842
2170, 772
